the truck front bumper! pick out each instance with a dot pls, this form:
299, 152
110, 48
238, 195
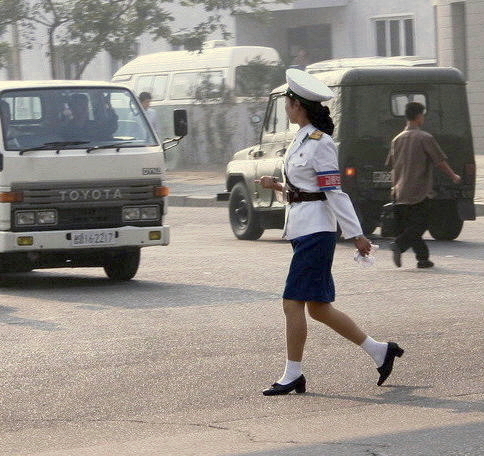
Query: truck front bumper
127, 236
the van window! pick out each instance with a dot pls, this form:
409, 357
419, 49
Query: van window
257, 79
207, 84
183, 85
159, 87
400, 100
144, 84
210, 85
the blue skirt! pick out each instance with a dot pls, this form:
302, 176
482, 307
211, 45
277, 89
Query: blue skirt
309, 277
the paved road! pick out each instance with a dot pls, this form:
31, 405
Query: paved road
173, 363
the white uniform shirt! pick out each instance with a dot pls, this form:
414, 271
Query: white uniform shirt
312, 166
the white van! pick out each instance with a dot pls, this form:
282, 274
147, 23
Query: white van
221, 88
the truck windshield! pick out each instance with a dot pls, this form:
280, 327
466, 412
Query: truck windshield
73, 118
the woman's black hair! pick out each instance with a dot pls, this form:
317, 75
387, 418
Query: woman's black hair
318, 114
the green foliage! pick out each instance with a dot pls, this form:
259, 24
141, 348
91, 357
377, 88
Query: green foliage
11, 11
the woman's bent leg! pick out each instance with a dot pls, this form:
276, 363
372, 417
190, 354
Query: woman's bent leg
338, 321
382, 353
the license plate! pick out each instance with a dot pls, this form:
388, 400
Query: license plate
382, 176
93, 238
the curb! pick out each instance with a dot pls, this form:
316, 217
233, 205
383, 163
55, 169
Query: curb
195, 201
479, 209
211, 201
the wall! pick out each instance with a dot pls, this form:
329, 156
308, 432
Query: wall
352, 25
449, 50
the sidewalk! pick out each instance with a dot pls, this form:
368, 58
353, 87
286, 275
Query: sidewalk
198, 188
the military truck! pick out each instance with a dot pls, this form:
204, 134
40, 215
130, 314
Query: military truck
368, 111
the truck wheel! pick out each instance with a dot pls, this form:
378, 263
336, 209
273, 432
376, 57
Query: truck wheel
243, 218
122, 266
445, 223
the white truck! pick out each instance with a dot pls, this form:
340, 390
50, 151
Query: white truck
81, 177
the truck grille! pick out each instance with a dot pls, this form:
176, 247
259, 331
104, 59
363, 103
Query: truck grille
86, 205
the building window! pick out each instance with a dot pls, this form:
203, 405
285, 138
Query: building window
394, 36
312, 40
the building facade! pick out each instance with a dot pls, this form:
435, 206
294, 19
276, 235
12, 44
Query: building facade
322, 29
459, 37
328, 29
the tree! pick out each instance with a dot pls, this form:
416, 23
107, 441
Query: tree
83, 28
12, 11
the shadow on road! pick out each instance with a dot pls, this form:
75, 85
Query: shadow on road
101, 292
406, 395
6, 317
456, 440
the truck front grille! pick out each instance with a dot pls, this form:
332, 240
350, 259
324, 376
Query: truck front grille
86, 205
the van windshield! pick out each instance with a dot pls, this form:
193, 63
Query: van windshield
72, 118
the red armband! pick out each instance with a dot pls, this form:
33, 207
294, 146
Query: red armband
329, 180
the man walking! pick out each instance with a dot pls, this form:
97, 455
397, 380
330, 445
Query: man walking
413, 155
145, 100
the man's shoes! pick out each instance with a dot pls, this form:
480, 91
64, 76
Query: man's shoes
299, 385
397, 254
424, 264
386, 368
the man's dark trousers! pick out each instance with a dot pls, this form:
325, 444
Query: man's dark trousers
412, 222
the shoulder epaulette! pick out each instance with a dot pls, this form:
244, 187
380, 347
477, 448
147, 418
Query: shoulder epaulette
316, 134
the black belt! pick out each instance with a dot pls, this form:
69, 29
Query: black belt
299, 197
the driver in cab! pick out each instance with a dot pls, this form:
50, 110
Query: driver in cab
79, 127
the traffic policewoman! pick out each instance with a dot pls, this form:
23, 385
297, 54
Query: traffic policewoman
315, 204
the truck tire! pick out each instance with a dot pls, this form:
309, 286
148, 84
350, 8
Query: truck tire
445, 223
122, 266
243, 218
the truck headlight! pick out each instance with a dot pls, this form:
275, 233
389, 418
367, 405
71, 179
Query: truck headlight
47, 217
150, 213
131, 213
25, 218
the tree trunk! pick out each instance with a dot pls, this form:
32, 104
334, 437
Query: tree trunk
52, 53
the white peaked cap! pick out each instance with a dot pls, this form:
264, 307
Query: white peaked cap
307, 86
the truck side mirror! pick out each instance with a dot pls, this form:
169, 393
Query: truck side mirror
180, 122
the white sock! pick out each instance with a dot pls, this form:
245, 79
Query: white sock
377, 350
292, 371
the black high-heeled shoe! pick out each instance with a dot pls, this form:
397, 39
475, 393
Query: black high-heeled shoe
386, 368
299, 385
